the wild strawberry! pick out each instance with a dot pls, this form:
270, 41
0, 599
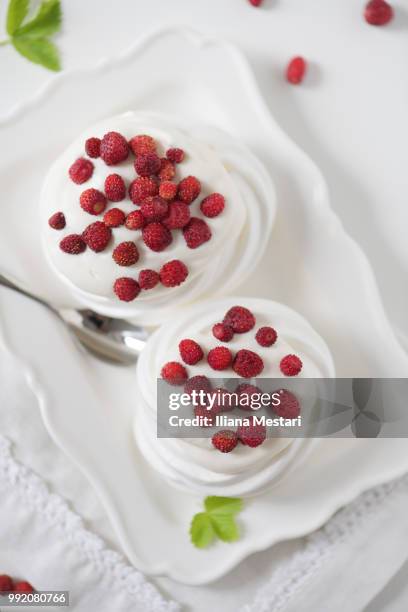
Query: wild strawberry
156, 236
142, 144
222, 332
97, 236
189, 189
247, 364
198, 383
225, 440
154, 209
175, 155
174, 373
207, 415
115, 188
168, 190
135, 220
114, 217
6, 584
92, 201
291, 365
167, 171
190, 351
196, 233
288, 407
23, 587
252, 434
142, 188
173, 273
212, 205
147, 164
266, 336
178, 215
245, 392
255, 2
125, 254
57, 221
378, 12
114, 148
148, 279
72, 244
93, 147
219, 358
127, 289
295, 70
240, 319
81, 170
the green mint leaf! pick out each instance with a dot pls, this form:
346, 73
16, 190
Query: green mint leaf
201, 530
47, 21
40, 51
223, 505
17, 11
225, 527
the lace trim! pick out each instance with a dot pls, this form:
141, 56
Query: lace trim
57, 513
293, 574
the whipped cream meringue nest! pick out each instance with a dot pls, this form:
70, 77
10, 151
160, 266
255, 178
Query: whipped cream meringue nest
239, 234
194, 464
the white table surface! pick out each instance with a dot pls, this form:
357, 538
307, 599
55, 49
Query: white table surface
349, 115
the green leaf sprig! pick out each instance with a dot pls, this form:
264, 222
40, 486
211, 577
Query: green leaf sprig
218, 520
31, 38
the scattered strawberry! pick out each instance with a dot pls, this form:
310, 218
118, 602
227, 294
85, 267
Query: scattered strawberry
196, 233
224, 401
247, 364
114, 148
178, 215
291, 365
93, 147
189, 189
175, 155
81, 170
225, 440
168, 190
378, 12
190, 351
167, 171
173, 273
147, 164
219, 358
295, 70
23, 587
142, 188
115, 188
92, 201
266, 336
240, 319
252, 435
72, 244
114, 217
222, 332
198, 383
212, 205
6, 584
156, 236
245, 391
142, 144
127, 289
208, 414
125, 254
289, 407
174, 373
97, 236
154, 209
255, 2
135, 220
148, 279
57, 221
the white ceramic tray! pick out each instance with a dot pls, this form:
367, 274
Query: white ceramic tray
311, 264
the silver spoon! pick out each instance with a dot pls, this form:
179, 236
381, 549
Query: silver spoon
108, 338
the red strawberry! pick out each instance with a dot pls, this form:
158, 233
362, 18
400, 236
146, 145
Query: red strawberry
97, 236
23, 587
148, 279
115, 188
57, 221
289, 407
127, 289
219, 358
196, 233
142, 144
252, 434
173, 273
291, 365
225, 440
255, 2
156, 236
147, 164
378, 12
295, 70
189, 189
245, 392
167, 171
6, 584
93, 147
81, 170
212, 205
266, 336
222, 332
114, 217
178, 215
198, 383
168, 190
126, 254
154, 209
72, 244
92, 201
174, 373
175, 155
114, 148
190, 351
135, 220
247, 364
240, 319
142, 188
